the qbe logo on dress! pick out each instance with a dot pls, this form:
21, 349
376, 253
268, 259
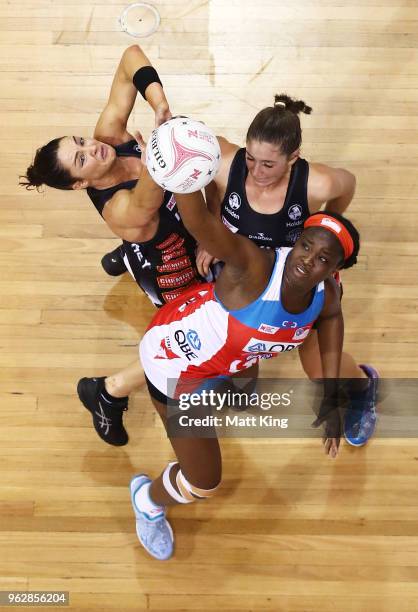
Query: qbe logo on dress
193, 338
295, 212
234, 200
188, 341
301, 333
256, 345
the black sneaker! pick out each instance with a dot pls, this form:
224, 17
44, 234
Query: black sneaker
113, 263
107, 420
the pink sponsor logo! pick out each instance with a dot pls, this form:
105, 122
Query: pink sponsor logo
183, 154
268, 329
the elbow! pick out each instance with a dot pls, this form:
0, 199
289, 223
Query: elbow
352, 182
131, 54
132, 49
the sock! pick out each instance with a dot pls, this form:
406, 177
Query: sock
113, 401
145, 504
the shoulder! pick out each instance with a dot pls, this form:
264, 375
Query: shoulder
228, 152
320, 180
227, 148
127, 220
116, 206
326, 182
332, 298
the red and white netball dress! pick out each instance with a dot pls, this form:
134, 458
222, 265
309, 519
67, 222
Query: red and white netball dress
195, 337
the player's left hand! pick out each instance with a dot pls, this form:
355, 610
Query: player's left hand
329, 416
331, 446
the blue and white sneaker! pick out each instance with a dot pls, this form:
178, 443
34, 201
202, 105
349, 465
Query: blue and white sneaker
360, 418
154, 532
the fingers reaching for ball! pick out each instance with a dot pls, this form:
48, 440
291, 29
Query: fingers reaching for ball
140, 140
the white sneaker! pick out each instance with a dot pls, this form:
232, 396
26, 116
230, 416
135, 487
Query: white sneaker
154, 533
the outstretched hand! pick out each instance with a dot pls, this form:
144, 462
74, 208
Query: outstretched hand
329, 416
331, 446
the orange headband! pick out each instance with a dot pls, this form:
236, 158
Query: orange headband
334, 226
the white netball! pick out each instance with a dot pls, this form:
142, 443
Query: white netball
183, 155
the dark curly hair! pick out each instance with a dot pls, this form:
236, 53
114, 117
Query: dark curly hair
279, 124
352, 260
46, 169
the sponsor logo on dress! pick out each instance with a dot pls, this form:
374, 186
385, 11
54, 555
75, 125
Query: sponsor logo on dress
231, 212
170, 240
171, 203
301, 333
234, 200
184, 345
175, 265
145, 263
289, 324
137, 148
261, 236
293, 235
165, 352
256, 345
295, 212
294, 223
268, 329
169, 281
193, 338
229, 225
169, 296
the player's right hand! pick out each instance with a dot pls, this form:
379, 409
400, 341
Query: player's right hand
162, 114
204, 260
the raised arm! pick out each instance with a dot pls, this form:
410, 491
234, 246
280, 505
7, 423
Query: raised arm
214, 194
112, 123
213, 236
134, 214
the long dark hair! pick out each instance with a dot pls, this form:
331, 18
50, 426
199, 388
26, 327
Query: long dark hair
46, 169
279, 124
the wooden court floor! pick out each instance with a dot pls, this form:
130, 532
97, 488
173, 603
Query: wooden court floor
291, 530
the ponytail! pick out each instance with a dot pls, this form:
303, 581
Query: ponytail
284, 102
46, 170
279, 124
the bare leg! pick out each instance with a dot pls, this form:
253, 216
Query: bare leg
126, 381
199, 460
132, 379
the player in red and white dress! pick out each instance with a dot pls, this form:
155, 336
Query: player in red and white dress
198, 338
215, 329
